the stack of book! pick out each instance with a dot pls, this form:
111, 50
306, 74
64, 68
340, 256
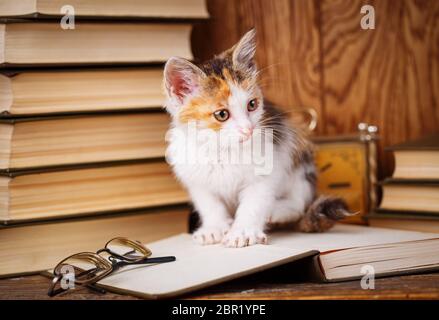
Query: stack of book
82, 130
411, 197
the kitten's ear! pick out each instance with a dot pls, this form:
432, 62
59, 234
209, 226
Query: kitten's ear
181, 78
243, 55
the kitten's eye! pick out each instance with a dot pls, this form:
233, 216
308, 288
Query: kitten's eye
252, 105
221, 115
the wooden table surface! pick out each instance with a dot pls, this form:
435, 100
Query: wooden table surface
424, 286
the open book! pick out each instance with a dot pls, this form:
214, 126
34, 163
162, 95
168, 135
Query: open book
338, 255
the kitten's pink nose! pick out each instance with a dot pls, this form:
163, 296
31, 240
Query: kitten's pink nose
246, 132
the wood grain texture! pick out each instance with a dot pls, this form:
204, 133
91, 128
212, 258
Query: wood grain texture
415, 287
388, 76
317, 55
405, 287
288, 46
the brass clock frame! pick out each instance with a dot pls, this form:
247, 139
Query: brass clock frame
367, 137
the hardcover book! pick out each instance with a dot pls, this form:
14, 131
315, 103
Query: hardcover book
410, 195
418, 159
337, 255
79, 90
106, 8
35, 247
59, 141
42, 43
87, 190
408, 220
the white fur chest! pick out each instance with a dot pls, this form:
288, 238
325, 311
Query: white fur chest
225, 180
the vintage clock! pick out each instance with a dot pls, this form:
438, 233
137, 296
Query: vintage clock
347, 168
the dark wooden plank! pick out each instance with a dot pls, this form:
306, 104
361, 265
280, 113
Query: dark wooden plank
388, 76
405, 287
36, 286
316, 54
288, 46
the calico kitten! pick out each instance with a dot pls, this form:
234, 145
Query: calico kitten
235, 204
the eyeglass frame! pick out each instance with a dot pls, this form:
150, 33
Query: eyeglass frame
115, 261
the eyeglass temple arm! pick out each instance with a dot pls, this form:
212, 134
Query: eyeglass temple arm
159, 259
147, 261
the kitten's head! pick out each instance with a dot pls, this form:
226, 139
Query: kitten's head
220, 95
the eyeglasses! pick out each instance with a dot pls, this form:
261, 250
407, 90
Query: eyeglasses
87, 268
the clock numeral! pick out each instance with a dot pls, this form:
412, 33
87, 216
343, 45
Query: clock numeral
326, 167
339, 185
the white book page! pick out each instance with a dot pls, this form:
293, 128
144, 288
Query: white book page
201, 266
344, 236
196, 267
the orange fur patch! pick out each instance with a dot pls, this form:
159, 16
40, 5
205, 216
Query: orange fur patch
213, 96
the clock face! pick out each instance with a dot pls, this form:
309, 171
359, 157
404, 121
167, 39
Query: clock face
342, 172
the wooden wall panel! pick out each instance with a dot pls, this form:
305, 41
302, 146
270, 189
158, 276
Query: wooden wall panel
288, 45
388, 76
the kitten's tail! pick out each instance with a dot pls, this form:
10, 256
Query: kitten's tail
322, 214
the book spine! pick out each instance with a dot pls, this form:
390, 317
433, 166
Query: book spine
6, 132
316, 271
4, 200
2, 43
6, 94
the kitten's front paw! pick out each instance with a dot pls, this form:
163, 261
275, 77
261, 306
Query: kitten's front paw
242, 237
209, 235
